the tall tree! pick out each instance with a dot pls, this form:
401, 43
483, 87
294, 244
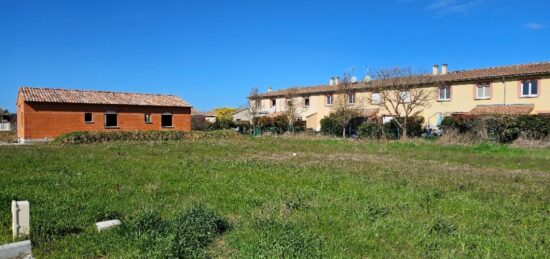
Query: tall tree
292, 106
254, 105
346, 104
403, 93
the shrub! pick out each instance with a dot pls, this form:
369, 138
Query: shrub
199, 123
499, 128
82, 137
330, 126
370, 130
278, 124
223, 123
391, 129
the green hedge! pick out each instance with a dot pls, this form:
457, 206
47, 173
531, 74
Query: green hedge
391, 130
330, 126
278, 124
500, 128
81, 137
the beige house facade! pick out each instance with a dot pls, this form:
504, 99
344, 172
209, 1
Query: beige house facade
516, 89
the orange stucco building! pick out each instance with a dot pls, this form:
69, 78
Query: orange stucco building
46, 113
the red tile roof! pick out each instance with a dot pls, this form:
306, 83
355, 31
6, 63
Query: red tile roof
50, 95
516, 109
491, 73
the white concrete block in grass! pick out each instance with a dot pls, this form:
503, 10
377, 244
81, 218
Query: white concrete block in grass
20, 212
16, 250
103, 225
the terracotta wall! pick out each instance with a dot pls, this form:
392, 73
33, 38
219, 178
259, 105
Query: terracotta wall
47, 120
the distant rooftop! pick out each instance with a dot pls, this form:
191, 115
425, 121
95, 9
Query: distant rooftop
52, 95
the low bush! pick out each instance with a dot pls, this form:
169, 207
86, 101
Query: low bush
391, 129
370, 130
82, 137
223, 123
199, 123
8, 136
278, 124
330, 126
499, 128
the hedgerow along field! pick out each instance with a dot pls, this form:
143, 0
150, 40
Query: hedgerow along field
252, 197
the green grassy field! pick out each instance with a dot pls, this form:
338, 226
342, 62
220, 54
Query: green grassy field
334, 198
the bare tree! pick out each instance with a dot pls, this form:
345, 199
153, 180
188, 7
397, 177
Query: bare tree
254, 105
293, 106
345, 106
403, 93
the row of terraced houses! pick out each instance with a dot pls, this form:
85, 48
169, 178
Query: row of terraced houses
517, 89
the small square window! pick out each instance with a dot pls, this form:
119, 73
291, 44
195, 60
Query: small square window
306, 102
148, 118
273, 102
88, 118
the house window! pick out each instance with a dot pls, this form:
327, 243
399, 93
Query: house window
351, 98
529, 88
445, 93
483, 91
273, 102
111, 120
166, 120
88, 118
376, 98
148, 118
306, 101
406, 97
329, 99
386, 119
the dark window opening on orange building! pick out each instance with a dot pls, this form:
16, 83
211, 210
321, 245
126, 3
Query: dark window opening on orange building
111, 120
166, 120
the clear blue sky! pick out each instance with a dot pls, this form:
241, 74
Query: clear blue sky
212, 52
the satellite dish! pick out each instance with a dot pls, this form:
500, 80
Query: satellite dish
367, 79
353, 79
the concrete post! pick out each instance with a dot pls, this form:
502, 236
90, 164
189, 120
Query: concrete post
20, 213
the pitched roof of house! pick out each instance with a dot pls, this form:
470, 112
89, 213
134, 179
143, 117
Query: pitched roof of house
516, 109
491, 73
51, 95
240, 110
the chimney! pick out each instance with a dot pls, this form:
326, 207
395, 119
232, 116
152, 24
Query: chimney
331, 81
336, 80
269, 89
444, 69
435, 70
